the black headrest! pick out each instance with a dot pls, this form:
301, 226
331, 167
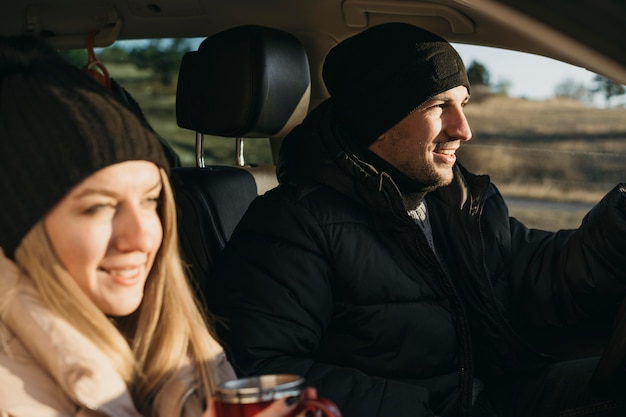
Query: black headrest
248, 81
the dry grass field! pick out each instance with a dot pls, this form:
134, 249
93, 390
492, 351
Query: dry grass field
560, 141
556, 151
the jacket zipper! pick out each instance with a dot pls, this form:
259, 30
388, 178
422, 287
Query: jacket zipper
465, 361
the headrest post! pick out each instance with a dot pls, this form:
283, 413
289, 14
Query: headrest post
199, 150
239, 149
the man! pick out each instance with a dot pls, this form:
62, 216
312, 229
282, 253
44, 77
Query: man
391, 277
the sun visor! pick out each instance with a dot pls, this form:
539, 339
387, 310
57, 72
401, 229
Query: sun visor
67, 27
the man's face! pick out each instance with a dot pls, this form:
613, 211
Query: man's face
422, 145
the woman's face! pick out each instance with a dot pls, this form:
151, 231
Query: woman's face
106, 232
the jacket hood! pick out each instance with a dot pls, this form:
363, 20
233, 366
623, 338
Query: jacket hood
313, 148
315, 152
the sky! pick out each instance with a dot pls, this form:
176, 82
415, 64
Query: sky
531, 76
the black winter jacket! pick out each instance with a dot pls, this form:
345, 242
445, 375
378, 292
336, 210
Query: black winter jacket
328, 277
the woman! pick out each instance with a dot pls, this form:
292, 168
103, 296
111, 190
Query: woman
97, 317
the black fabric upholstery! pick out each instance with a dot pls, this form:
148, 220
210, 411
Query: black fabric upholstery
246, 82
243, 82
210, 201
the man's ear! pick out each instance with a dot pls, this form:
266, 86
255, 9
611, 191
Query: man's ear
377, 142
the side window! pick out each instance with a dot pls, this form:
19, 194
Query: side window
148, 70
553, 150
551, 136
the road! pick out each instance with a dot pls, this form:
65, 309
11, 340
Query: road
528, 203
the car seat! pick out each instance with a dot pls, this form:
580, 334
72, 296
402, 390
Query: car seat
246, 82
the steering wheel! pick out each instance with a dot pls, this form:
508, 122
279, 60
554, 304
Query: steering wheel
611, 369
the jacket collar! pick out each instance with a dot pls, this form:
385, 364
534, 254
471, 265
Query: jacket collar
82, 371
315, 152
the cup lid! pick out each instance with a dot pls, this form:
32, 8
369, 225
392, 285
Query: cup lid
260, 388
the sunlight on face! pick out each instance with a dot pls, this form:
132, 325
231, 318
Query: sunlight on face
422, 145
106, 232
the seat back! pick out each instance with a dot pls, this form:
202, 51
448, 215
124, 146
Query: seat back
210, 203
247, 82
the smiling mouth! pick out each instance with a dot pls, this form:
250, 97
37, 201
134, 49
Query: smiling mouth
126, 277
445, 155
123, 273
445, 151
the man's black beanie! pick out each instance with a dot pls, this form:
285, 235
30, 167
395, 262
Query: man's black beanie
380, 75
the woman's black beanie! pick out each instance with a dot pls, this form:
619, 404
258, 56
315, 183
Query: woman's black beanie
380, 75
57, 127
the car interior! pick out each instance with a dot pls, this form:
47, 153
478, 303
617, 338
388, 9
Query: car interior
257, 72
259, 81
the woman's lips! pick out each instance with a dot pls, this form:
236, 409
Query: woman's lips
125, 276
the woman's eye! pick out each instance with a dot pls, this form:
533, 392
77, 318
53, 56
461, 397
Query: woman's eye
97, 208
153, 201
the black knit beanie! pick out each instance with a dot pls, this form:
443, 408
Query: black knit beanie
380, 75
57, 127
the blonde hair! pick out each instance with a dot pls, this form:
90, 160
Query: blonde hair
166, 333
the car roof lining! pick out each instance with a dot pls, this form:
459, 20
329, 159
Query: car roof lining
319, 25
